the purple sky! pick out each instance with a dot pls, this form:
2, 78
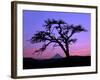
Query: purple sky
34, 20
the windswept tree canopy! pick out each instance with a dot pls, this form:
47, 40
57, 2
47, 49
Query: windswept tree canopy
58, 32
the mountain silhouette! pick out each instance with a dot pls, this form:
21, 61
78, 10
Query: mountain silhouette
57, 56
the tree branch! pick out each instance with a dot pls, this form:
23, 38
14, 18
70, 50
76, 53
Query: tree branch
59, 29
43, 48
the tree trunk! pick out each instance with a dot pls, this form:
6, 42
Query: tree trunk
67, 47
66, 50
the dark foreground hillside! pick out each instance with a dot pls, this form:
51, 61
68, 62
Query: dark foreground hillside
73, 61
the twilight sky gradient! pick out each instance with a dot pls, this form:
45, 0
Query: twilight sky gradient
34, 20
